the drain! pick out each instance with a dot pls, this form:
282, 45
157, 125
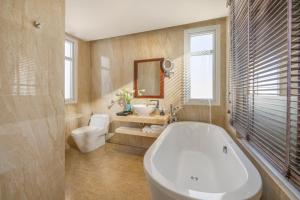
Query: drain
194, 178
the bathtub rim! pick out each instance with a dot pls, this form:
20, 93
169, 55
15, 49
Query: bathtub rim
253, 181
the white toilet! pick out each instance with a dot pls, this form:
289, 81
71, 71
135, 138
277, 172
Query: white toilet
89, 138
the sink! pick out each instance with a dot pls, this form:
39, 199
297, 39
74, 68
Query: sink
143, 110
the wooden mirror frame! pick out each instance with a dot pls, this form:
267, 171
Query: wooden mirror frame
161, 82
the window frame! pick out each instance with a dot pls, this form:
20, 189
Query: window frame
188, 34
74, 60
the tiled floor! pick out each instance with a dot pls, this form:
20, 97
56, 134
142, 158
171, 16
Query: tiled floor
112, 172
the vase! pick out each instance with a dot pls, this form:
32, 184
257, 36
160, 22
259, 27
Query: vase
128, 107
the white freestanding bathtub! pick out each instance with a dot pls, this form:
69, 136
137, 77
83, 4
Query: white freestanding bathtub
192, 160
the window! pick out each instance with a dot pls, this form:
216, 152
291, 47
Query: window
265, 78
201, 65
70, 71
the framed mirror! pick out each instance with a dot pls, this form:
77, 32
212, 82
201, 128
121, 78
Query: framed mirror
149, 78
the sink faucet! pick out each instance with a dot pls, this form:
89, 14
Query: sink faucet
156, 104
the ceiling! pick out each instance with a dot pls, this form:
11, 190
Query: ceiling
98, 19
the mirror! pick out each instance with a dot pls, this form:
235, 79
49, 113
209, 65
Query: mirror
148, 78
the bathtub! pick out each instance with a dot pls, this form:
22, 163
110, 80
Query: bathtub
192, 160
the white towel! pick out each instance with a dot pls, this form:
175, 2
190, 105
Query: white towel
153, 129
157, 128
147, 129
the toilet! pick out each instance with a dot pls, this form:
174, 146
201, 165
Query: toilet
89, 138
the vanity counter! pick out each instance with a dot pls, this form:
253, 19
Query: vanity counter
151, 119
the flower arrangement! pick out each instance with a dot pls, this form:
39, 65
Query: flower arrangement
123, 98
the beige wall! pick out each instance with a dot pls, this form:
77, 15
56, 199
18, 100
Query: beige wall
112, 68
31, 100
78, 114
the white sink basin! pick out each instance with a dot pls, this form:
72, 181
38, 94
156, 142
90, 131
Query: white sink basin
143, 110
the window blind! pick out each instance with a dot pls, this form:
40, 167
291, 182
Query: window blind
265, 91
295, 91
239, 52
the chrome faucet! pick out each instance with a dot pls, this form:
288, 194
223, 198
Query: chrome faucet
173, 111
156, 104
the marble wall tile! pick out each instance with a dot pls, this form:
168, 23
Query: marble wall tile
31, 100
112, 68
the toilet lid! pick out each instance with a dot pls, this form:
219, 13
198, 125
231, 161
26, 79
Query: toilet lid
84, 129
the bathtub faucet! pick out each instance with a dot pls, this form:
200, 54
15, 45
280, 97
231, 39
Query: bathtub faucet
173, 111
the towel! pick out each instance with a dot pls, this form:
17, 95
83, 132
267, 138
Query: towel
157, 128
147, 129
153, 129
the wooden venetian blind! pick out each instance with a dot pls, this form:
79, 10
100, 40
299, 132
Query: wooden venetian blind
294, 59
239, 52
265, 75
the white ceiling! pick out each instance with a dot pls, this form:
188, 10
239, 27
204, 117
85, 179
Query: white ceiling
98, 19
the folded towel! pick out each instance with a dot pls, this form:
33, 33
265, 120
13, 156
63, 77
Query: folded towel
153, 129
147, 129
157, 128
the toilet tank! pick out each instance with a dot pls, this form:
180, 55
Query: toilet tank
100, 121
